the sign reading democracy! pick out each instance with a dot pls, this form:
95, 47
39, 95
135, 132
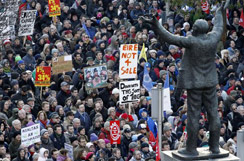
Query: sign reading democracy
27, 22
128, 61
30, 135
43, 76
129, 91
115, 135
54, 8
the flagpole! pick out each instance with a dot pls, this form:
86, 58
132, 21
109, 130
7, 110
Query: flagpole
160, 116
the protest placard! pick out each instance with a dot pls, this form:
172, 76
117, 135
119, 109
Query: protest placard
54, 8
115, 135
128, 61
70, 150
43, 76
96, 76
30, 135
62, 64
27, 22
4, 26
129, 91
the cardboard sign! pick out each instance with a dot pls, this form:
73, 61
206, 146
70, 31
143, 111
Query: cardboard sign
43, 76
70, 150
4, 26
96, 76
27, 22
115, 135
128, 61
62, 64
129, 91
54, 8
30, 135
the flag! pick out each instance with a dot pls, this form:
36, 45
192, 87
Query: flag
205, 6
152, 126
158, 158
241, 22
166, 95
147, 81
143, 53
86, 30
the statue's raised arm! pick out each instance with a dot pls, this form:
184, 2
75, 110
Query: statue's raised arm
165, 35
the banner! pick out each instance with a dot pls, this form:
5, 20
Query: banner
30, 135
54, 8
62, 64
43, 76
205, 6
70, 150
115, 135
27, 22
128, 61
96, 76
4, 26
129, 91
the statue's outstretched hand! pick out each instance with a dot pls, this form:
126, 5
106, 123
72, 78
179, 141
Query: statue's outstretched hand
225, 4
151, 21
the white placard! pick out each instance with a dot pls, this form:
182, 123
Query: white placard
128, 61
129, 91
27, 22
70, 150
30, 135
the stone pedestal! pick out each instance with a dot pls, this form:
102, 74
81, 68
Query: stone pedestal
172, 156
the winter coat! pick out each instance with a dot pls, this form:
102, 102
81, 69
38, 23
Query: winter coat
41, 156
58, 141
84, 119
47, 144
61, 97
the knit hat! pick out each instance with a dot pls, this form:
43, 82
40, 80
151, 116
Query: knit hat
106, 141
160, 53
106, 124
147, 65
124, 116
54, 50
43, 131
140, 137
115, 91
133, 145
89, 155
162, 72
5, 42
93, 137
144, 145
14, 82
89, 144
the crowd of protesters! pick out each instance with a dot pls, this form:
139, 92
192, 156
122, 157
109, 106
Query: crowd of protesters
92, 31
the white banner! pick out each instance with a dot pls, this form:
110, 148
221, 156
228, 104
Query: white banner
27, 22
129, 91
128, 61
30, 135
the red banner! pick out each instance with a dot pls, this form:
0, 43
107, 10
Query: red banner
115, 135
43, 76
158, 158
54, 8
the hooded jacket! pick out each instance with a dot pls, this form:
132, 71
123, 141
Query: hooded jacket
42, 157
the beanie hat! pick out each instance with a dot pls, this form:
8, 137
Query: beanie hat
140, 137
6, 42
93, 137
43, 131
144, 145
166, 128
106, 124
124, 116
133, 145
160, 53
21, 62
89, 144
17, 58
54, 50
115, 91
14, 82
106, 141
89, 155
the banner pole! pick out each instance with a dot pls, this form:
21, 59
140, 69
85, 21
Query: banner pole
129, 109
160, 116
24, 40
41, 93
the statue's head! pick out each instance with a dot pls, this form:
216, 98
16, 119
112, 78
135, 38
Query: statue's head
200, 27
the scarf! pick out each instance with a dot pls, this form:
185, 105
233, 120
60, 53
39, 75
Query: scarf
44, 122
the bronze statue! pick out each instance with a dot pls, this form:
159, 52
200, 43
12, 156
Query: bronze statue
198, 75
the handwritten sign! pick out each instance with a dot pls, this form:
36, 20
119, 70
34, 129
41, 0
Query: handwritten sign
115, 135
128, 61
43, 76
27, 22
129, 91
54, 8
30, 135
62, 64
4, 26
